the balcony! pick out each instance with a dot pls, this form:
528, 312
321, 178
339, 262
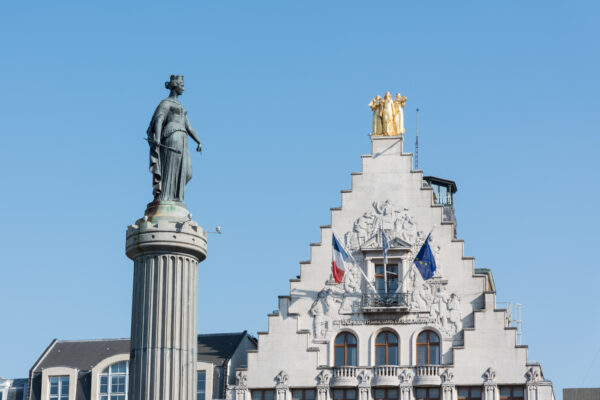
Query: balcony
386, 375
427, 375
344, 376
384, 302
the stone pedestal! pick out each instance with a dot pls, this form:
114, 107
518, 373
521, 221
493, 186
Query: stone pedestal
166, 246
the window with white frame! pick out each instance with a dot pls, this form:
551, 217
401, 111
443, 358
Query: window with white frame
59, 388
201, 387
113, 382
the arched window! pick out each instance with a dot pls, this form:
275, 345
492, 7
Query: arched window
345, 349
428, 348
386, 349
113, 382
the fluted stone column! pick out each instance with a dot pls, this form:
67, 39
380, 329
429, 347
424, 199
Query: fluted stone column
166, 246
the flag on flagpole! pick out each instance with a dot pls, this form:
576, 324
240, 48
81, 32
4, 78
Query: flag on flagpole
385, 244
337, 260
424, 261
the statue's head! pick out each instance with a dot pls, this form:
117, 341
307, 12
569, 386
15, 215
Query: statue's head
388, 96
175, 83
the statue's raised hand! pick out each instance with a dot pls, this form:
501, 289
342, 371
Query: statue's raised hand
199, 148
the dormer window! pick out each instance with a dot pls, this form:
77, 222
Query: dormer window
59, 388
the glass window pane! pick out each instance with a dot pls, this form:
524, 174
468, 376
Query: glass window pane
339, 356
309, 394
269, 395
422, 338
434, 355
380, 338
434, 393
380, 355
350, 394
433, 338
379, 269
340, 338
379, 394
518, 391
351, 339
421, 394
380, 285
475, 393
296, 394
352, 356
256, 395
338, 394
463, 392
393, 355
54, 389
392, 338
421, 355
392, 393
504, 391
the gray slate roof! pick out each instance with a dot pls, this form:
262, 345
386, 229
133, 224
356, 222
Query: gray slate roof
215, 348
82, 354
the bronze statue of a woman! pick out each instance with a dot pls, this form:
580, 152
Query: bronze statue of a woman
170, 162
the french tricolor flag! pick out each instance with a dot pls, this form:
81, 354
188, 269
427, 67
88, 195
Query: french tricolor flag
337, 263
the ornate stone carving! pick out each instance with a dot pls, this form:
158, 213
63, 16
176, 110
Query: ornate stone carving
447, 377
533, 375
489, 376
323, 310
324, 377
364, 377
406, 377
241, 378
281, 379
399, 225
388, 115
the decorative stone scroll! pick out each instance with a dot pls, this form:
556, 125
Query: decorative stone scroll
281, 386
241, 388
406, 388
323, 385
490, 388
447, 385
534, 378
364, 385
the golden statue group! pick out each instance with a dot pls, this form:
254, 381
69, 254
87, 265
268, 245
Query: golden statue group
388, 115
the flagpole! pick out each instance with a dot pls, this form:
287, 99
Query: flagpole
385, 282
356, 263
413, 261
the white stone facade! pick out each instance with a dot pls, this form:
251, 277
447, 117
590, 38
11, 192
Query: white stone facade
477, 350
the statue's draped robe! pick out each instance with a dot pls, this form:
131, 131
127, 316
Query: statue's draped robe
170, 171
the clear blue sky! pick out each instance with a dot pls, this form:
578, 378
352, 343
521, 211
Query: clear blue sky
278, 92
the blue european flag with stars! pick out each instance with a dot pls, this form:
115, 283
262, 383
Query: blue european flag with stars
424, 261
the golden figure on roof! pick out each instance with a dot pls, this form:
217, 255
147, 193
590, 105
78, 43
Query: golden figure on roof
388, 115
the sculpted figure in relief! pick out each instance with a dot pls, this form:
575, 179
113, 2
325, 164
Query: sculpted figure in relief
351, 290
454, 316
322, 310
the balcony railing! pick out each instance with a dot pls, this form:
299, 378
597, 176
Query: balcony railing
387, 370
384, 301
428, 370
345, 372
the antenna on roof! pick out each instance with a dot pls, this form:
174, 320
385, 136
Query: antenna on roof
417, 139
